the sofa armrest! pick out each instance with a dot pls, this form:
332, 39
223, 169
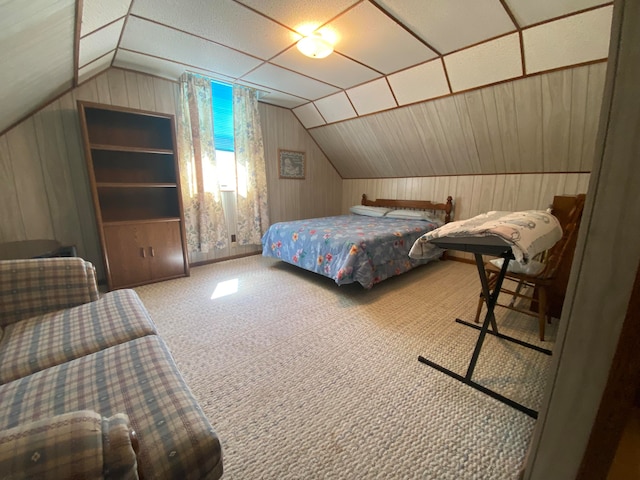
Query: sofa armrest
37, 286
73, 445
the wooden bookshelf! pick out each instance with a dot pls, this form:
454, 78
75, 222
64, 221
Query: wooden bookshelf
133, 172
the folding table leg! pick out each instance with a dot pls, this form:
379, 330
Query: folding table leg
491, 300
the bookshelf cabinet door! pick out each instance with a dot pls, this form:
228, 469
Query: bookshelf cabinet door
143, 252
127, 255
165, 254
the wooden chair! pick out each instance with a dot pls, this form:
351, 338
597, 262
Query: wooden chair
536, 287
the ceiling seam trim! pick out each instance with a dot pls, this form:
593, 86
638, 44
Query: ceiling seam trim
124, 26
80, 67
510, 13
495, 174
393, 94
319, 112
506, 34
405, 28
173, 61
106, 25
196, 36
519, 28
258, 12
76, 42
567, 15
446, 75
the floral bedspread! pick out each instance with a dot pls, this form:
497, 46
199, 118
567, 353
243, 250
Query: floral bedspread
349, 248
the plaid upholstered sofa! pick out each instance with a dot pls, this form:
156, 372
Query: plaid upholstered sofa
87, 387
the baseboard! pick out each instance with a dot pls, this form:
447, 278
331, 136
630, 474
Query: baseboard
218, 260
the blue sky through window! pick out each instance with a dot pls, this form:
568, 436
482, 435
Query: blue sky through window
223, 116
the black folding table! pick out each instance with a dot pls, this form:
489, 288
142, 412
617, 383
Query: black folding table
495, 246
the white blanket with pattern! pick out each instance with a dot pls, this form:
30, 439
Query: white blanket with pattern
528, 232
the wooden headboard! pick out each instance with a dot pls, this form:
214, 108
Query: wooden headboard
412, 204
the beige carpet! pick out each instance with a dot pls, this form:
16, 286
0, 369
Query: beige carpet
303, 379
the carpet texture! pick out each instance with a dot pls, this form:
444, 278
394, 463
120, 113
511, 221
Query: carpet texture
303, 379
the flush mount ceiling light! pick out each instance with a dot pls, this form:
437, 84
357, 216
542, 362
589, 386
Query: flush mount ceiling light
315, 46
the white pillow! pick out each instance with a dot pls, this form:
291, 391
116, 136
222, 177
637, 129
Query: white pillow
369, 211
534, 267
411, 215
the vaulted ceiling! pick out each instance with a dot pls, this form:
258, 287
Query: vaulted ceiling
388, 53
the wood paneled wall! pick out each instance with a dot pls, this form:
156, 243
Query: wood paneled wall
45, 190
542, 123
320, 193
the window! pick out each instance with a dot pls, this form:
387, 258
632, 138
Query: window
222, 94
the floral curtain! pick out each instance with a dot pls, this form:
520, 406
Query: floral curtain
205, 223
251, 177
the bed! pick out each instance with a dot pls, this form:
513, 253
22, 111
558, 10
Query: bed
367, 246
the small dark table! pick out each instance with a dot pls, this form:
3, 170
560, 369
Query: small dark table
495, 246
35, 249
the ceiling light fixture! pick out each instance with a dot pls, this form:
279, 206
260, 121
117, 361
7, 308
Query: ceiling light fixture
315, 46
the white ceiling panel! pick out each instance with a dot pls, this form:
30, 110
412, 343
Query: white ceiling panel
334, 69
449, 25
486, 63
36, 58
336, 107
147, 37
278, 78
96, 13
223, 21
95, 68
100, 42
252, 42
576, 39
372, 97
308, 115
301, 15
150, 65
528, 12
159, 67
369, 36
278, 98
419, 83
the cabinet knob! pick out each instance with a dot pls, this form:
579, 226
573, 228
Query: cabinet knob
153, 253
143, 253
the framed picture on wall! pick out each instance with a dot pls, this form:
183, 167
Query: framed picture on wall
291, 164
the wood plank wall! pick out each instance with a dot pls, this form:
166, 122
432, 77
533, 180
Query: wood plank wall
542, 123
472, 194
45, 189
320, 193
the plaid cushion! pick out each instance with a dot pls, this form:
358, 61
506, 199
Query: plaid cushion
36, 286
71, 445
119, 453
138, 378
40, 342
